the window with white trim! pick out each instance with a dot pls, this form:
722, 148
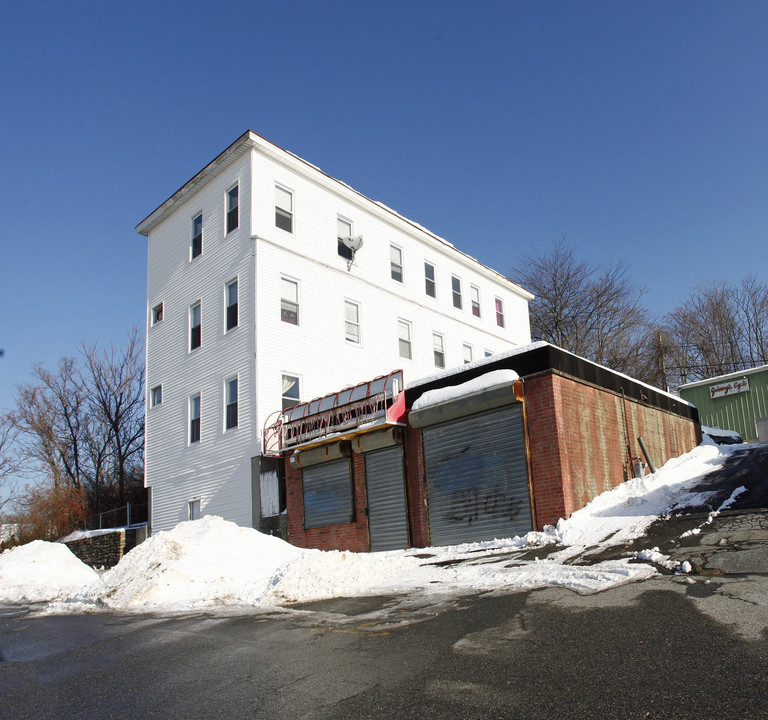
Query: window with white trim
438, 345
474, 295
194, 419
157, 314
195, 326
429, 280
344, 230
396, 263
404, 338
283, 209
196, 247
289, 301
156, 396
352, 322
231, 312
233, 208
456, 292
290, 391
193, 509
230, 403
467, 350
499, 312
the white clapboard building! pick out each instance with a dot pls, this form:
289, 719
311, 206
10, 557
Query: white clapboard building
270, 282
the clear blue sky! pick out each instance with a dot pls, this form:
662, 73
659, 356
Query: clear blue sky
637, 129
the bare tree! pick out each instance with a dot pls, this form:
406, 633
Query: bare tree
116, 379
591, 311
8, 461
718, 329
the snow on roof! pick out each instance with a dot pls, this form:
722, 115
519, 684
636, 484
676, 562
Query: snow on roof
721, 378
452, 392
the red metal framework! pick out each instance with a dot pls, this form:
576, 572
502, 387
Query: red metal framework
380, 401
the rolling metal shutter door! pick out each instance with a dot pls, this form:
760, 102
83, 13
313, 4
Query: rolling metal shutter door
387, 515
327, 494
477, 478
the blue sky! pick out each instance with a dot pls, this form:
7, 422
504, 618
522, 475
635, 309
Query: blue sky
635, 129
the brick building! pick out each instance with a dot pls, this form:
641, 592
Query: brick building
490, 449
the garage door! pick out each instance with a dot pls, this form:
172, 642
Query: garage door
327, 494
387, 521
477, 477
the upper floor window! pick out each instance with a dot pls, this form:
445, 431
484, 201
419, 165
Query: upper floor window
197, 236
289, 301
290, 391
404, 338
233, 208
396, 263
230, 409
195, 326
467, 349
194, 419
157, 314
352, 322
456, 290
474, 293
156, 396
283, 209
344, 230
231, 300
429, 280
439, 349
499, 312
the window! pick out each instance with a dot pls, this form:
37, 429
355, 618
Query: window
231, 300
233, 210
467, 353
352, 322
197, 235
194, 510
195, 329
289, 301
439, 348
230, 409
429, 280
404, 337
283, 209
157, 314
474, 293
396, 263
499, 312
456, 288
194, 419
156, 396
344, 230
290, 391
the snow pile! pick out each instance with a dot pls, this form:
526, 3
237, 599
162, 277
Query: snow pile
41, 571
198, 563
211, 562
625, 512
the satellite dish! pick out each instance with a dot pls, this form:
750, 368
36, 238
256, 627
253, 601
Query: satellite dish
353, 243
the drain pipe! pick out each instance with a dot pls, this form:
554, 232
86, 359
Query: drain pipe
647, 456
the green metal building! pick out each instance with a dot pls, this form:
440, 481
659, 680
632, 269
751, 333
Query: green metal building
737, 401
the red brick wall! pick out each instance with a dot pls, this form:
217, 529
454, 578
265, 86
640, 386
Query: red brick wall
416, 489
348, 536
578, 437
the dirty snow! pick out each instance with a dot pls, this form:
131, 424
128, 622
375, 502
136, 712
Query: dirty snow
211, 563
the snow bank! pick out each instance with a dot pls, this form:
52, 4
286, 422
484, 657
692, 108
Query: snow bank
41, 571
625, 512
